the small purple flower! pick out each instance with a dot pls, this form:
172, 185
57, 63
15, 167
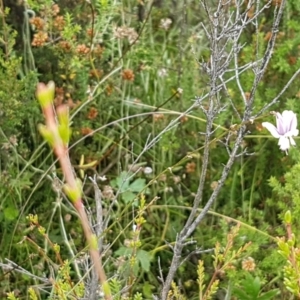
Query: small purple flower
286, 128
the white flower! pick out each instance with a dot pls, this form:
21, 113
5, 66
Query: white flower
162, 72
179, 90
165, 23
286, 128
148, 170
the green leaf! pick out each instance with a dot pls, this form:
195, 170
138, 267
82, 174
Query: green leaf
251, 286
269, 295
242, 295
256, 286
138, 185
128, 196
10, 213
138, 296
144, 258
148, 290
123, 251
122, 181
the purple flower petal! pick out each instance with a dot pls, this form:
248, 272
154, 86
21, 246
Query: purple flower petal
281, 127
273, 130
294, 132
293, 122
285, 130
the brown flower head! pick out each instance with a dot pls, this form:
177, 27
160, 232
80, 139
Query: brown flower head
157, 117
82, 49
55, 9
248, 264
96, 73
108, 192
184, 119
292, 60
90, 32
66, 46
128, 75
39, 39
59, 23
247, 95
92, 113
98, 50
214, 185
38, 23
126, 32
109, 89
276, 2
59, 96
86, 131
190, 167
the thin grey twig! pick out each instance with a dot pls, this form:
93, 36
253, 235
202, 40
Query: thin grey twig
12, 266
219, 36
275, 100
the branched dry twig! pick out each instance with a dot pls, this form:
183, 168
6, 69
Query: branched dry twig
224, 32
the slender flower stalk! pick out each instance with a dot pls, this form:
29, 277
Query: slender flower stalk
286, 128
57, 135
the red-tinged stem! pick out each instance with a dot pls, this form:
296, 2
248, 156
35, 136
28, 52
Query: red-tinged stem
96, 257
70, 179
62, 154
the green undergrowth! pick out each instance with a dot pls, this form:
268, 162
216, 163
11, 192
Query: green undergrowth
126, 69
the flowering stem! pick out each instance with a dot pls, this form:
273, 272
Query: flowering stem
58, 137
